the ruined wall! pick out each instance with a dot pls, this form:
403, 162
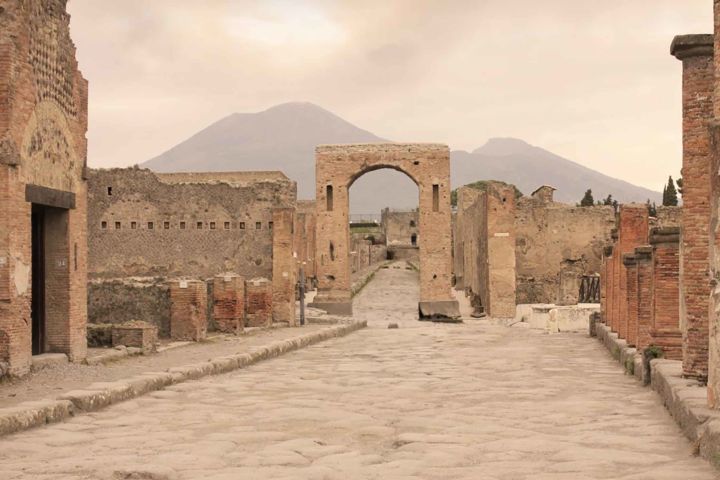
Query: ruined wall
43, 120
146, 224
400, 227
484, 239
553, 238
304, 237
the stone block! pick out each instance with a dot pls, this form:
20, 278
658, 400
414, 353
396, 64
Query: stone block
136, 334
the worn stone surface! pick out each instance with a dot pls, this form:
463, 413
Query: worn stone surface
396, 404
337, 167
43, 121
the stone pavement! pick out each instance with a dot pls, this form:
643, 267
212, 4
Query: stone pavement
425, 401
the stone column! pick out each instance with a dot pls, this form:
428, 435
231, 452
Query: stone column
631, 282
284, 268
696, 54
632, 232
614, 303
643, 257
665, 331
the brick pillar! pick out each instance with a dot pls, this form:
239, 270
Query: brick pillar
229, 303
631, 282
258, 302
696, 54
632, 231
188, 310
284, 268
643, 257
614, 303
665, 330
605, 290
714, 307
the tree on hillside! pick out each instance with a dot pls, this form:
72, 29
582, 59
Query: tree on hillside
587, 200
679, 183
670, 198
608, 201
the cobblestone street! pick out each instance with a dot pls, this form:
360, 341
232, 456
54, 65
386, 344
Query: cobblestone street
425, 401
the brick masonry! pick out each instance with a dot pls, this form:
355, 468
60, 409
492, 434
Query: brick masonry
136, 334
696, 54
631, 281
714, 308
284, 275
188, 310
229, 303
428, 165
43, 121
644, 259
633, 224
665, 329
258, 302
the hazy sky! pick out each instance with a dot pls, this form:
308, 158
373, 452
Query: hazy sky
590, 80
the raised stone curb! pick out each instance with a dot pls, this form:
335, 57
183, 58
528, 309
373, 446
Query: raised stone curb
685, 399
100, 395
360, 283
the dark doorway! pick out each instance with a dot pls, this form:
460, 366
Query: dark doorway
413, 240
38, 279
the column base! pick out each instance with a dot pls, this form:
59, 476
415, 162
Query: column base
440, 311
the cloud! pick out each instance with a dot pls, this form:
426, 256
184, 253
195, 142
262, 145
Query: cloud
592, 81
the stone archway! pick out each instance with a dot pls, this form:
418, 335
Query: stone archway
428, 165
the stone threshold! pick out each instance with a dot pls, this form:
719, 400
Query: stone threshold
685, 398
102, 394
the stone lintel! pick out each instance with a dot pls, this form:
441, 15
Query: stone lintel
686, 46
49, 197
629, 259
643, 253
665, 235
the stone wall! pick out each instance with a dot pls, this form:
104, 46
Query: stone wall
484, 240
400, 227
143, 224
553, 238
43, 121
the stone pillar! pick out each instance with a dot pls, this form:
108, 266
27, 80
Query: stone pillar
632, 231
665, 331
568, 287
229, 303
284, 268
696, 54
643, 257
188, 310
258, 302
631, 282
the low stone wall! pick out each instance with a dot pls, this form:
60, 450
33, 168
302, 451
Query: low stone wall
557, 318
118, 301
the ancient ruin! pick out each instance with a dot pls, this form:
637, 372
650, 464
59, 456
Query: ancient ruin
123, 283
338, 166
43, 188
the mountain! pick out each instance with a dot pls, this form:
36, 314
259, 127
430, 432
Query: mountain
515, 161
284, 138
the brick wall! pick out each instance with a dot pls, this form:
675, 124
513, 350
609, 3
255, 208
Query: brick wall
633, 227
644, 259
43, 121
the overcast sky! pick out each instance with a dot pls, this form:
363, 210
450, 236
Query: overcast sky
590, 80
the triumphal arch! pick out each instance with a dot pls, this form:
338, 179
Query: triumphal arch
337, 168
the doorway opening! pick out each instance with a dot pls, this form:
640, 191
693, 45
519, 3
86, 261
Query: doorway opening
37, 307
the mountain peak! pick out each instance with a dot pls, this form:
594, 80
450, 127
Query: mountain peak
502, 146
